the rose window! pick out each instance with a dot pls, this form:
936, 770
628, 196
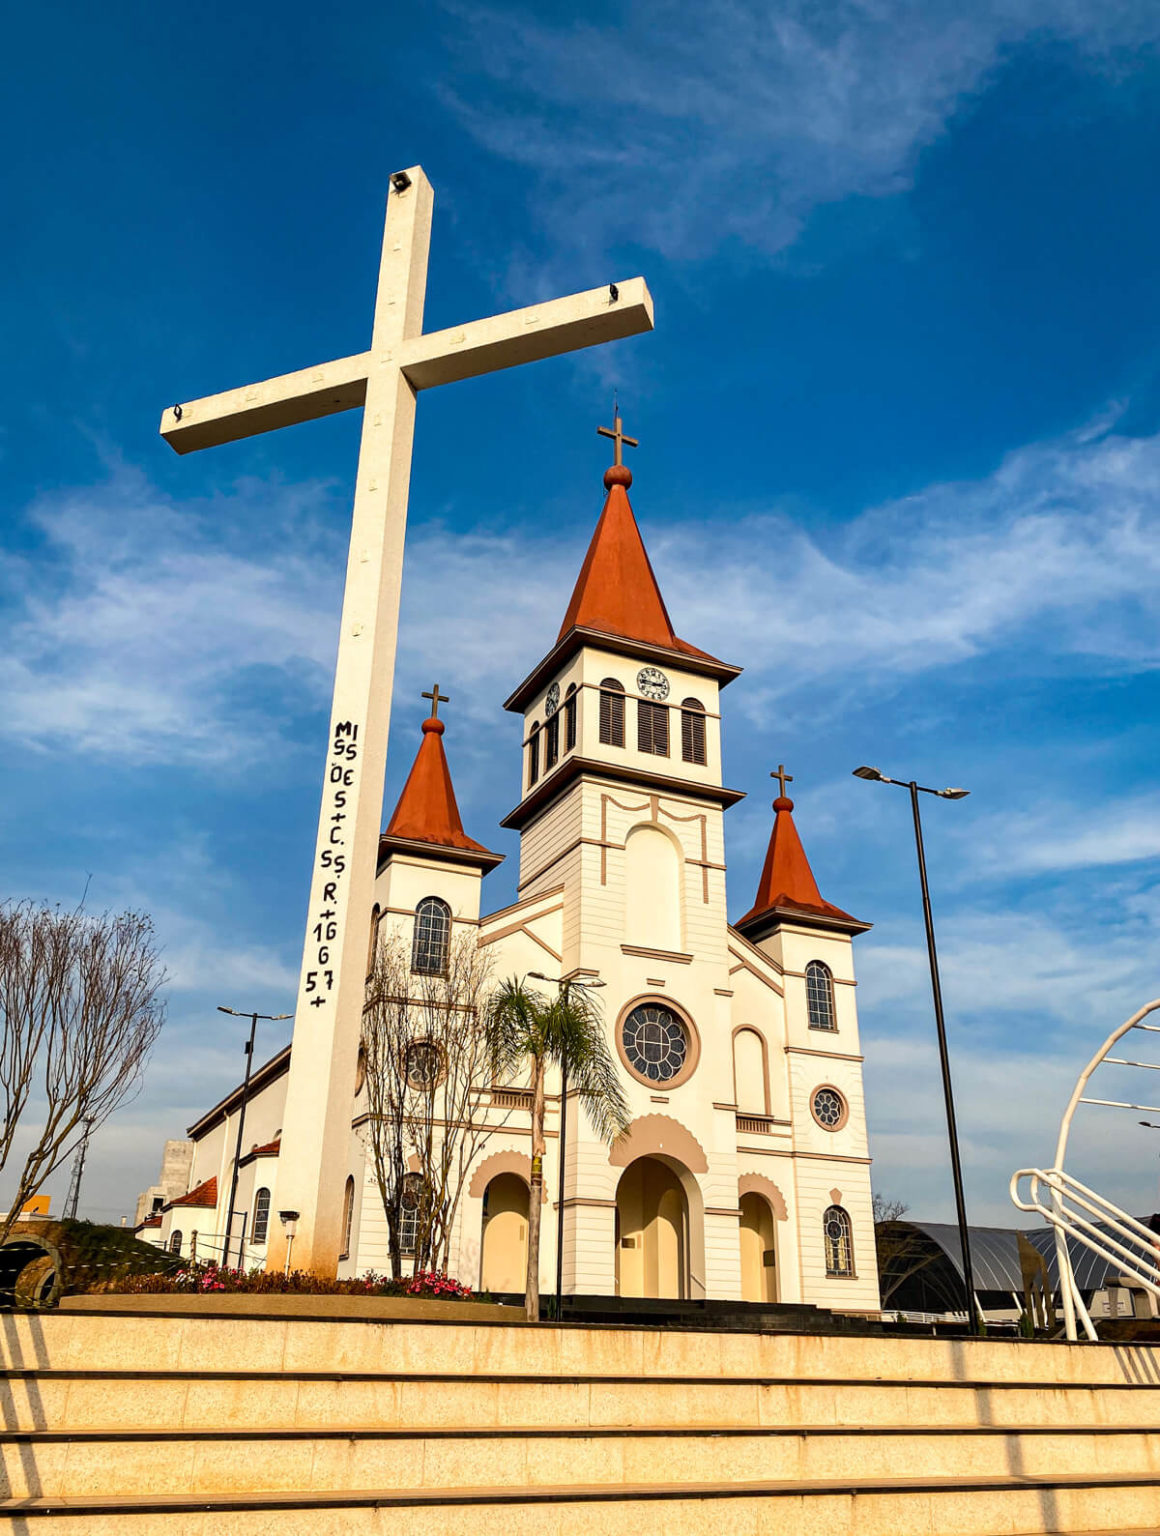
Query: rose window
829, 1108
655, 1042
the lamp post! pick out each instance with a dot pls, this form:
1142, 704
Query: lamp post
915, 790
272, 1018
565, 986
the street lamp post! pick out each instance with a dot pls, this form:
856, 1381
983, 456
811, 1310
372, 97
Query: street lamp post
915, 790
272, 1018
566, 984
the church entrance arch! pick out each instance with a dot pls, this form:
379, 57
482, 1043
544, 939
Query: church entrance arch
652, 1231
758, 1250
504, 1266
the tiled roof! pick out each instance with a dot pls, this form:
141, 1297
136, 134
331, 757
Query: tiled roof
427, 811
787, 882
616, 592
204, 1195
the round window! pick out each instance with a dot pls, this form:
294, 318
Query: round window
423, 1064
829, 1108
655, 1041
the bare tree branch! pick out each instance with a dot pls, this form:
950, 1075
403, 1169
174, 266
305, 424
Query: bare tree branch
428, 1076
79, 1013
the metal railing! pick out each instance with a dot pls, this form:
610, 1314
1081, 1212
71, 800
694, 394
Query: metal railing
1112, 1235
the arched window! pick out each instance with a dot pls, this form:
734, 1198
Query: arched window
611, 713
820, 995
261, 1216
570, 718
838, 1237
652, 728
750, 1078
693, 731
534, 754
409, 1202
652, 889
347, 1218
432, 937
175, 1242
373, 941
552, 741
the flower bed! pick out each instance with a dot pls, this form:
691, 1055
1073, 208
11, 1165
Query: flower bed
206, 1279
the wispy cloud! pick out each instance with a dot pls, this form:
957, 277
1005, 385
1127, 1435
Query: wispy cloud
137, 625
151, 629
685, 128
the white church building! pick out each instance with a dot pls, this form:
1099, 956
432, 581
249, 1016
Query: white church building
745, 1173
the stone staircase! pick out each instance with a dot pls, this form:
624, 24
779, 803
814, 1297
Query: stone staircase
191, 1425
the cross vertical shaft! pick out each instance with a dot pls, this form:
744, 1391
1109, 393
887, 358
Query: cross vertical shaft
332, 984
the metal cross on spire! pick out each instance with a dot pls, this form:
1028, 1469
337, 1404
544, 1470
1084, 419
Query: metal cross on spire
783, 779
617, 434
436, 698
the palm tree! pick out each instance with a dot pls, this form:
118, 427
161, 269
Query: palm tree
566, 1033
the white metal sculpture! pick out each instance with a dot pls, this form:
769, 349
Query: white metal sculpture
1077, 1212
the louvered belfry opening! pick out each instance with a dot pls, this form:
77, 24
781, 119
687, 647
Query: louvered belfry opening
652, 728
693, 732
552, 742
611, 713
534, 755
570, 718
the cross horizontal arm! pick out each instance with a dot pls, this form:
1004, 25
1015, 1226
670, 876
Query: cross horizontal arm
280, 402
527, 335
442, 357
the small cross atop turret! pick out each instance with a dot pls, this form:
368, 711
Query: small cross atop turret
783, 779
618, 435
436, 698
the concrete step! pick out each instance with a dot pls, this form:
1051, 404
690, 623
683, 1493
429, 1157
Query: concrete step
169, 1400
93, 1341
983, 1506
220, 1462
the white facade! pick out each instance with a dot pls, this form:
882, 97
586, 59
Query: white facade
733, 1168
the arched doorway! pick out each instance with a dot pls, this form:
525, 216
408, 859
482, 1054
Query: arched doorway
505, 1234
758, 1250
652, 1231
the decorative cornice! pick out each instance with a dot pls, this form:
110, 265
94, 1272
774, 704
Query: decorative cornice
757, 928
579, 636
439, 853
573, 767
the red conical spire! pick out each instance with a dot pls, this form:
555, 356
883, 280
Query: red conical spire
616, 594
616, 591
427, 811
787, 883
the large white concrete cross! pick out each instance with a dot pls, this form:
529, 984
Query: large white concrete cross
316, 1128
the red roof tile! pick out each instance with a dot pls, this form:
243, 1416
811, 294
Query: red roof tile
204, 1195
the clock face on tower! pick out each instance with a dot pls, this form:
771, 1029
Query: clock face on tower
552, 701
653, 683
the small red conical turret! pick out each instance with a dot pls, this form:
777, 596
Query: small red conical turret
427, 811
787, 888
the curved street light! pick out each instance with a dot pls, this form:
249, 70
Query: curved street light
272, 1018
875, 775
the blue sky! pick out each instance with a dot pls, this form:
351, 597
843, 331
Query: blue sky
900, 455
